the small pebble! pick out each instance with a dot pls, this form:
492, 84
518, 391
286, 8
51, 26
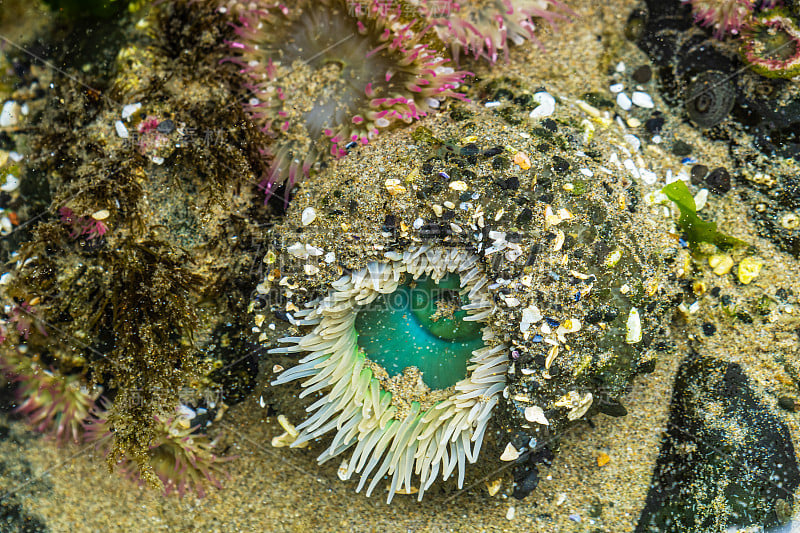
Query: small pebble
11, 184
546, 107
624, 101
698, 173
575, 517
749, 268
788, 403
633, 141
522, 160
700, 199
9, 115
655, 125
308, 216
642, 74
603, 459
510, 513
166, 127
709, 329
681, 148
642, 99
616, 88
122, 131
719, 180
620, 67
130, 109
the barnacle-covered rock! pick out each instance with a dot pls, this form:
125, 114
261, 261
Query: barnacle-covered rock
570, 290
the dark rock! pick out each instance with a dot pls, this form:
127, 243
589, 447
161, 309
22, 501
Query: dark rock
560, 164
788, 403
655, 125
698, 173
732, 468
719, 181
166, 127
681, 148
642, 74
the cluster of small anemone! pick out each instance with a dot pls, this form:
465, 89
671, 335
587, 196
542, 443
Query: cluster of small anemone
410, 441
66, 407
324, 77
768, 32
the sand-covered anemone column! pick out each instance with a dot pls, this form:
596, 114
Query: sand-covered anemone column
327, 75
771, 44
409, 375
485, 28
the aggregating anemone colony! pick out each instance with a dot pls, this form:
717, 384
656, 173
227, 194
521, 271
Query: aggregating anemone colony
132, 246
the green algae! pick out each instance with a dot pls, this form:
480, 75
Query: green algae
697, 230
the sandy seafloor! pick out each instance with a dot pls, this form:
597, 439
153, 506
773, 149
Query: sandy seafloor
278, 489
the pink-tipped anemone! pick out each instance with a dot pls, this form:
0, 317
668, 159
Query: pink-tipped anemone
329, 75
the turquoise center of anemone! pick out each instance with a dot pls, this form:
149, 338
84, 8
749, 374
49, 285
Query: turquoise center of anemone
421, 324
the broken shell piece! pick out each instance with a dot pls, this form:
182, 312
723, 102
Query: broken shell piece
583, 406
559, 242
577, 404
570, 325
308, 216
494, 486
510, 453
534, 413
633, 327
530, 315
551, 356
394, 187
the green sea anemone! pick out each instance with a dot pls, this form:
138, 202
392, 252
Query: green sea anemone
409, 377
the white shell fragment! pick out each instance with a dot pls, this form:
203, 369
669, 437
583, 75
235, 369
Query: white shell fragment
9, 115
534, 413
633, 327
510, 453
546, 107
101, 214
308, 216
11, 184
122, 131
130, 109
642, 99
530, 315
624, 101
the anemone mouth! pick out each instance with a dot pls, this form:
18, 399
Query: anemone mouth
399, 427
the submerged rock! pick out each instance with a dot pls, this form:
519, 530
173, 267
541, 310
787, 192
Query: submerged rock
727, 459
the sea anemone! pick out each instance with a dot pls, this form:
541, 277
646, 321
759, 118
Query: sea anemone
51, 402
726, 17
326, 75
181, 457
484, 28
409, 378
771, 45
